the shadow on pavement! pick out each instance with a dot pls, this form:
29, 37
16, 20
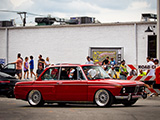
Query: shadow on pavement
80, 106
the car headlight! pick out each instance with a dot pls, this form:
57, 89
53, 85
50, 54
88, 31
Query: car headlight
123, 90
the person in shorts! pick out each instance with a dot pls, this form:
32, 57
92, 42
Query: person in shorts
31, 66
18, 66
26, 66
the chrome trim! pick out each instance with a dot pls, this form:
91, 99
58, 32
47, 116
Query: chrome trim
65, 84
79, 102
127, 97
37, 84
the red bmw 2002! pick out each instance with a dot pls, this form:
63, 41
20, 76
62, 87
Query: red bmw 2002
73, 83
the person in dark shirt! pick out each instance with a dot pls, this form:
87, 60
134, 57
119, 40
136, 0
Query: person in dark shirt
39, 70
41, 60
105, 63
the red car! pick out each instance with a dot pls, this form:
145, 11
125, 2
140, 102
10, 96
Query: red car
73, 83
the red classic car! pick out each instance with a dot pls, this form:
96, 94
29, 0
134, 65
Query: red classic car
73, 83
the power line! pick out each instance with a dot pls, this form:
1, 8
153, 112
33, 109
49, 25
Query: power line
23, 18
12, 11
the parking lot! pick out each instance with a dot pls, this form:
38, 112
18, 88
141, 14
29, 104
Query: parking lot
12, 109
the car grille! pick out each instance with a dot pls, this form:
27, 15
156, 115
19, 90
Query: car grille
134, 89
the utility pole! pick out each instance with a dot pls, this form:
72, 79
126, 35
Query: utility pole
158, 29
23, 18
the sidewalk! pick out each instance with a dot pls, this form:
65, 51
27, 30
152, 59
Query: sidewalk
154, 97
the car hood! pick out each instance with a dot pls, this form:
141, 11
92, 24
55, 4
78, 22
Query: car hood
116, 82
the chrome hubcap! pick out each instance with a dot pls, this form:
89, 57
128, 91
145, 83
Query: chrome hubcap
102, 97
34, 97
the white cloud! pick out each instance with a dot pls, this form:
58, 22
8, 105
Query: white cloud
103, 10
139, 5
17, 3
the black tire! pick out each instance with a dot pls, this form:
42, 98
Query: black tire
129, 103
103, 98
10, 94
61, 104
35, 98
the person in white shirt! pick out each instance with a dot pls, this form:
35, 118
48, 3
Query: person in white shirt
47, 63
89, 61
150, 72
112, 72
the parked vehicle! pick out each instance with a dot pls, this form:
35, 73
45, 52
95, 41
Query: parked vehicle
10, 68
7, 83
72, 83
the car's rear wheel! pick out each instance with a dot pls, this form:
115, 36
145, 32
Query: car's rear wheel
129, 103
103, 98
35, 98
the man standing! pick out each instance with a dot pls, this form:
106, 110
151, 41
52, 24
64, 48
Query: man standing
112, 62
150, 72
41, 61
105, 63
39, 70
112, 72
89, 60
19, 66
123, 71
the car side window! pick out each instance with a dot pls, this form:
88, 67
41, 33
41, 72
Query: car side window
10, 66
80, 74
68, 73
71, 73
51, 74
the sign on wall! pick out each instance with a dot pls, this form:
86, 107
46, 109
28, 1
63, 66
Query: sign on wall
2, 61
99, 56
100, 53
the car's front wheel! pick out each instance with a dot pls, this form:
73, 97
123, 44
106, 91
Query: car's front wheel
35, 98
103, 98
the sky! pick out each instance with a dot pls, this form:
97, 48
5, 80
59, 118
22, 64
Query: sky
105, 11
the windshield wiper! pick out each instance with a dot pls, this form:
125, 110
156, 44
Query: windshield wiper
107, 78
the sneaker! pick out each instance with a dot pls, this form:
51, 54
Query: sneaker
151, 95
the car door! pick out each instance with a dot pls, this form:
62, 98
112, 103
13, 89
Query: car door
48, 83
71, 88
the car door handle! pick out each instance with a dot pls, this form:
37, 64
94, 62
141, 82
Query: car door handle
59, 83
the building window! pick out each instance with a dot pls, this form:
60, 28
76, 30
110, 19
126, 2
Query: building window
152, 46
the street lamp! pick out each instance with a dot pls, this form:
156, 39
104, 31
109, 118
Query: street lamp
150, 29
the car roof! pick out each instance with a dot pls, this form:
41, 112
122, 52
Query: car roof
70, 64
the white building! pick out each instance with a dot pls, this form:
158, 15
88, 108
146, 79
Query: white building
72, 43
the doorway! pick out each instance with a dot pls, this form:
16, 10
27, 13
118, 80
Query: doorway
152, 46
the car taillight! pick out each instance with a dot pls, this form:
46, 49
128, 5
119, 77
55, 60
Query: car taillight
4, 81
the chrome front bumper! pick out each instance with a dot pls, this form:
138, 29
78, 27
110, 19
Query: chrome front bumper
129, 97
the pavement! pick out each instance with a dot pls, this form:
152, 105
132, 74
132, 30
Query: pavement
144, 109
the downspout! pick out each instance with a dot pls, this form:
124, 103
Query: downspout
136, 42
7, 44
158, 29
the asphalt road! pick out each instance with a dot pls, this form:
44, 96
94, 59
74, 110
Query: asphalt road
12, 109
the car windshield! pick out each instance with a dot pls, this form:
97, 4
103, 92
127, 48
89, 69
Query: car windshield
95, 72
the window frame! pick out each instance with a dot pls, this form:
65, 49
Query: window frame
84, 77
